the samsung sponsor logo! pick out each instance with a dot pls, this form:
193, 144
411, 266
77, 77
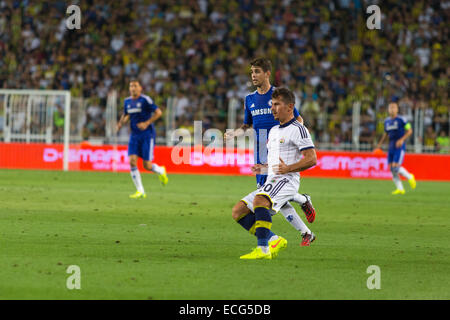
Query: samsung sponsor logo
258, 112
134, 110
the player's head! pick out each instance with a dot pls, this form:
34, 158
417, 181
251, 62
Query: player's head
393, 109
261, 68
135, 88
283, 101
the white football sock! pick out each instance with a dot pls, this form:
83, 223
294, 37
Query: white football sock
293, 218
136, 176
157, 169
264, 249
299, 198
272, 238
405, 173
397, 181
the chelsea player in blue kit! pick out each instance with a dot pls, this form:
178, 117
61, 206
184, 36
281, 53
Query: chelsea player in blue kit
142, 113
398, 130
258, 115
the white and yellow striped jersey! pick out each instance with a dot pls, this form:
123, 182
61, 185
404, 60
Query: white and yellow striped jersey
287, 141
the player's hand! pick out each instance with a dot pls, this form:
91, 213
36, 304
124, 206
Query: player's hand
143, 125
259, 169
228, 135
281, 168
399, 144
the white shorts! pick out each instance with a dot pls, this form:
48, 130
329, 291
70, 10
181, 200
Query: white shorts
278, 189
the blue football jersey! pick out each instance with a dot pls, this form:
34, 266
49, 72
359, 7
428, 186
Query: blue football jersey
258, 113
140, 110
395, 129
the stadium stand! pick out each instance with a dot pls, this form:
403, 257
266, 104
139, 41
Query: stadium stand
199, 51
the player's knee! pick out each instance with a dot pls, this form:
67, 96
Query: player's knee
148, 165
261, 201
133, 162
239, 210
394, 169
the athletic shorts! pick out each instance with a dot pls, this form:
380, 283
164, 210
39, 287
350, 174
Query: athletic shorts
396, 155
278, 189
142, 146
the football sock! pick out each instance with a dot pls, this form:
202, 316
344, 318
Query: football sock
273, 237
397, 181
404, 173
157, 169
248, 223
136, 176
264, 249
263, 225
289, 213
300, 199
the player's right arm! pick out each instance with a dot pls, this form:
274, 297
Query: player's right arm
381, 140
248, 122
260, 168
123, 120
238, 132
124, 117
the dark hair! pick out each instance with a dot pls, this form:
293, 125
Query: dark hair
263, 63
284, 94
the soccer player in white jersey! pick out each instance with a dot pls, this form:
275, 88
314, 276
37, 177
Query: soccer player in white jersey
142, 113
290, 150
258, 115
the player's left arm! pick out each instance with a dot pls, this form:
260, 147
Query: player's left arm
297, 116
308, 160
407, 134
156, 115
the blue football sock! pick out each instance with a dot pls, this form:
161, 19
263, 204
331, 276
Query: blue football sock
263, 225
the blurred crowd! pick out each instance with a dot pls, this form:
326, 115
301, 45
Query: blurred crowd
199, 51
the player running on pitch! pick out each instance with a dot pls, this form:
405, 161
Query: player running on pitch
290, 150
259, 115
142, 113
398, 130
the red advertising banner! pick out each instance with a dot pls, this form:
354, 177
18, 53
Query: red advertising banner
201, 160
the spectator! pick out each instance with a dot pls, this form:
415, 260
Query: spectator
429, 139
443, 142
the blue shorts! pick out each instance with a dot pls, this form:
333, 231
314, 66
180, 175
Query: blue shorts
142, 146
396, 155
260, 156
260, 180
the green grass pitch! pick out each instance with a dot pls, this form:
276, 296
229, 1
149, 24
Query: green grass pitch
181, 242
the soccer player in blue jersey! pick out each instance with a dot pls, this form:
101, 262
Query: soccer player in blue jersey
398, 130
258, 114
142, 113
